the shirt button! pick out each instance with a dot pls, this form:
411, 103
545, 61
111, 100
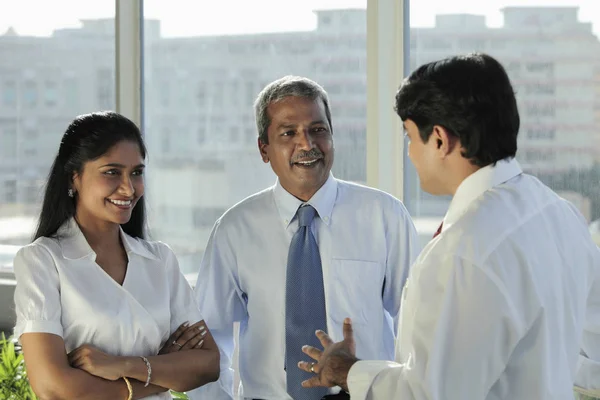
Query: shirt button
287, 222
326, 219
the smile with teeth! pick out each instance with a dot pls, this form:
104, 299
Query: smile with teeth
307, 162
122, 203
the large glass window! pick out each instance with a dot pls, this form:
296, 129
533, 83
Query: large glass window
57, 60
552, 55
204, 67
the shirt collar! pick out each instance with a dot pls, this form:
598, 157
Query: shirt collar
322, 201
74, 245
477, 183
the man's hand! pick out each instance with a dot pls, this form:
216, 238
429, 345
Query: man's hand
334, 362
96, 362
185, 337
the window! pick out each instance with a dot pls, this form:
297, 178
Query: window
555, 78
201, 135
222, 65
10, 192
48, 79
50, 94
9, 94
30, 94
541, 133
105, 88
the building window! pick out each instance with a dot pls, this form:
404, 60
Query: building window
541, 133
540, 88
105, 89
30, 95
50, 94
10, 191
71, 93
201, 135
541, 110
201, 93
9, 94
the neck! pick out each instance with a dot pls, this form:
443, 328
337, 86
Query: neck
304, 194
461, 172
99, 235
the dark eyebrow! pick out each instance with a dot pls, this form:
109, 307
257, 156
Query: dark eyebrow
286, 126
319, 122
117, 165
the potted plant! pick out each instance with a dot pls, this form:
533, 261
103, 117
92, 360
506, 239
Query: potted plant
14, 384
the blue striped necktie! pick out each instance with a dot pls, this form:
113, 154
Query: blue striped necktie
304, 305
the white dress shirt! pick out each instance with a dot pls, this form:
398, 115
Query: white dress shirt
495, 307
365, 238
61, 290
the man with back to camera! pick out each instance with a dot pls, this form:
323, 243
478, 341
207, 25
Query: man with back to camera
504, 302
301, 255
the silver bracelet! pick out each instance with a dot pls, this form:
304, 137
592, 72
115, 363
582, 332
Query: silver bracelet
149, 370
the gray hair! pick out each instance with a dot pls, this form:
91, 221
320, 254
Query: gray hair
287, 86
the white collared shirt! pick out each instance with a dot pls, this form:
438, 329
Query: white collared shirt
365, 237
61, 290
495, 307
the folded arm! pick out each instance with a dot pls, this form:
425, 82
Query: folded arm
52, 378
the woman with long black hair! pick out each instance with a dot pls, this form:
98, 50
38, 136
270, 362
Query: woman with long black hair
103, 313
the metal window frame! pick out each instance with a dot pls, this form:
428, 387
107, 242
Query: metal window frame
387, 61
129, 59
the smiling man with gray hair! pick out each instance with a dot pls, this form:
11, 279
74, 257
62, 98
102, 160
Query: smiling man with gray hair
301, 255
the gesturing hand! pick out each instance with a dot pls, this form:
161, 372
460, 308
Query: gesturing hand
334, 362
96, 362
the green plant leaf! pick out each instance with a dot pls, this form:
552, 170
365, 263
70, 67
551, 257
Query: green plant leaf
177, 395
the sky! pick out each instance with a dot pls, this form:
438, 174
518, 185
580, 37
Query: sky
214, 17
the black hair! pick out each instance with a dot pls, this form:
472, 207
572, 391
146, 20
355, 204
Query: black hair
471, 97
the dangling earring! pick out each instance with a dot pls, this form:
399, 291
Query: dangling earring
70, 193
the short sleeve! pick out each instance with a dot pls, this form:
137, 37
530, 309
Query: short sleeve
183, 305
37, 294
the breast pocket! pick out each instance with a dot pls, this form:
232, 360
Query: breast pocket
355, 290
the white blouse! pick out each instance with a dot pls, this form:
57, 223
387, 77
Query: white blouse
61, 290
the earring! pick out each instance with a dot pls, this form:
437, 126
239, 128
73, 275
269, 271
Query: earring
70, 193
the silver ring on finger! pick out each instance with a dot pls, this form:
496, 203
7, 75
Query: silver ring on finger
312, 368
177, 344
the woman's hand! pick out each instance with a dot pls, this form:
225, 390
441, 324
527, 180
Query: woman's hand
96, 362
185, 337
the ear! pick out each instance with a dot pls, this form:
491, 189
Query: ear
444, 141
262, 148
76, 182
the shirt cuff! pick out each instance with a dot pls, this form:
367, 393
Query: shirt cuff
361, 377
38, 327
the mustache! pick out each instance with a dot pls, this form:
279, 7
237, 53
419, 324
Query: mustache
307, 155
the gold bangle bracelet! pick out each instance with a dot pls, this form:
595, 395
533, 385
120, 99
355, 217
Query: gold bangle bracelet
129, 388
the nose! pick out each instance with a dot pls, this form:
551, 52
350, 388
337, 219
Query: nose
126, 188
304, 140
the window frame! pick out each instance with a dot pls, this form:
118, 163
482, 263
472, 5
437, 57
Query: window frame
388, 45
